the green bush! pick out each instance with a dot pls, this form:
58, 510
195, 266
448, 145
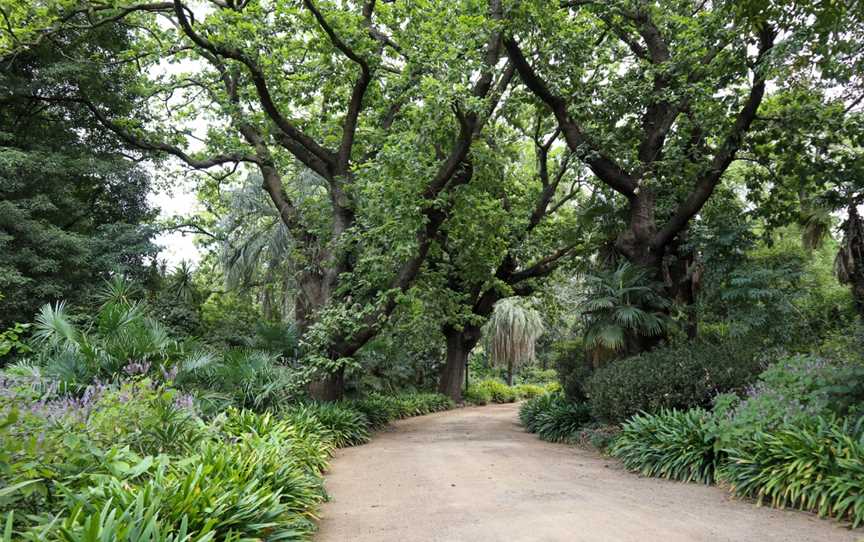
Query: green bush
379, 410
528, 391
306, 444
529, 410
562, 420
554, 417
342, 426
573, 372
233, 490
792, 390
243, 475
490, 391
679, 377
537, 376
816, 464
673, 444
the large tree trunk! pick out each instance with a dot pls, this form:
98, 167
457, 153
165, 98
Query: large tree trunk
459, 345
313, 296
679, 273
682, 275
329, 388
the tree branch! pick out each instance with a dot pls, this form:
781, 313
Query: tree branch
725, 154
303, 147
604, 167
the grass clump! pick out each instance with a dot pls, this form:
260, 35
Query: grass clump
673, 444
815, 465
554, 418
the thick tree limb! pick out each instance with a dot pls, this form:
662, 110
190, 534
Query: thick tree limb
355, 105
304, 148
724, 155
143, 144
606, 169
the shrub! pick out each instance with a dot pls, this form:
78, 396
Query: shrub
562, 420
535, 375
239, 377
679, 377
673, 444
419, 404
244, 475
816, 464
379, 410
234, 490
487, 391
529, 411
790, 391
305, 444
554, 418
341, 426
528, 391
573, 372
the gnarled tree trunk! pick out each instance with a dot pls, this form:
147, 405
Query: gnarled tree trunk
459, 345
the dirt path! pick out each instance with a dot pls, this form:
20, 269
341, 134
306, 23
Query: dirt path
474, 475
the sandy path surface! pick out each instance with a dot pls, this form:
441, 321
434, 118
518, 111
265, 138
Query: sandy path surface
475, 475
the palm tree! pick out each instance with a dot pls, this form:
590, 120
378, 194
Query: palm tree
623, 313
512, 332
120, 334
258, 249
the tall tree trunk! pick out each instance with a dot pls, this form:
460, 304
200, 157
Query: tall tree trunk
329, 388
313, 296
682, 276
678, 272
459, 345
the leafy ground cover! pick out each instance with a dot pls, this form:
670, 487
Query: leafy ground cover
134, 459
793, 438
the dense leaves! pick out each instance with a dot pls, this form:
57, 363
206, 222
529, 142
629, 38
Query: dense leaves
681, 376
672, 444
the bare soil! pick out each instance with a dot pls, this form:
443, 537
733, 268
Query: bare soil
474, 474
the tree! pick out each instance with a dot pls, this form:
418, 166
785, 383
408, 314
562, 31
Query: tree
806, 167
512, 333
355, 94
623, 313
657, 98
73, 207
510, 230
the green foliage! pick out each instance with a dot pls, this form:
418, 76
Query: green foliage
240, 377
814, 464
382, 409
12, 339
341, 425
489, 391
680, 377
792, 390
573, 370
621, 308
512, 332
530, 409
794, 440
775, 295
554, 417
123, 337
528, 391
133, 461
672, 444
73, 207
